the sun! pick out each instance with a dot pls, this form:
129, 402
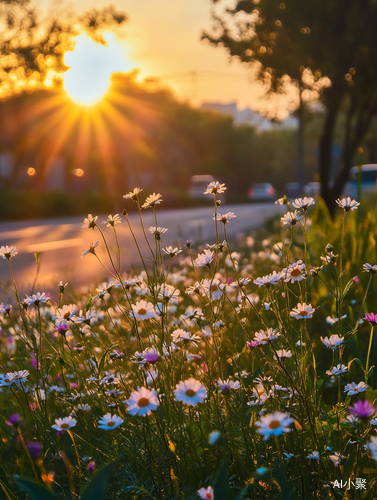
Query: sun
91, 65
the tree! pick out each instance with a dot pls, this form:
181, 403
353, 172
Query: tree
327, 49
32, 46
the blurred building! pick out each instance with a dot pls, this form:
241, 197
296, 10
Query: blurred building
247, 116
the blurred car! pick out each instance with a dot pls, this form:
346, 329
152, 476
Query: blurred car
368, 180
292, 190
312, 189
262, 191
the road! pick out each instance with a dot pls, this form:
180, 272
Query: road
63, 240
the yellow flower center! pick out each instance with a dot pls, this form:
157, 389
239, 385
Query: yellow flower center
260, 391
214, 288
303, 313
110, 424
64, 426
66, 315
143, 402
208, 495
274, 424
295, 272
142, 311
190, 393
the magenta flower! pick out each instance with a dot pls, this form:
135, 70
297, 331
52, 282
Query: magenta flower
363, 409
91, 466
62, 329
252, 344
35, 449
372, 318
13, 419
152, 357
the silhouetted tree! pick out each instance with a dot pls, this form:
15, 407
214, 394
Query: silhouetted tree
304, 41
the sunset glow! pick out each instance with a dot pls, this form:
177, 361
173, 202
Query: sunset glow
91, 66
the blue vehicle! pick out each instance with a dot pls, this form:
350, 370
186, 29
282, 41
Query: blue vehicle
368, 180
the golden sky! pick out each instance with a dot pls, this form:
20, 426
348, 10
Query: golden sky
162, 38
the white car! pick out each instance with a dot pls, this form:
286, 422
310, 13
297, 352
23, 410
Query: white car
261, 191
312, 189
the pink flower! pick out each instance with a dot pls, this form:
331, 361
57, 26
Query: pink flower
372, 318
363, 409
252, 344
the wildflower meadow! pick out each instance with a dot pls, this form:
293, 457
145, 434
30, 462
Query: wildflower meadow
234, 370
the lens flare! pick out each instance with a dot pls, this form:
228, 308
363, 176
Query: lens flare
90, 68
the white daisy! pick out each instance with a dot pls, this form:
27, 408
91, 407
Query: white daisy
294, 272
206, 493
225, 217
83, 407
369, 268
215, 188
274, 424
112, 220
303, 203
372, 445
352, 388
152, 200
337, 370
8, 252
331, 321
291, 218
133, 195
169, 293
263, 336
37, 298
65, 313
91, 248
157, 231
347, 204
109, 422
302, 311
270, 279
63, 424
142, 310
20, 376
282, 353
180, 335
190, 392
313, 456
142, 402
172, 252
90, 222
84, 317
333, 342
213, 289
228, 385
336, 458
204, 259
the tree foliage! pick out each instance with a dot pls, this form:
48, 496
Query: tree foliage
32, 45
304, 41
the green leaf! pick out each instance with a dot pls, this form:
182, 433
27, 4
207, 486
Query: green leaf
358, 362
89, 304
221, 488
346, 289
4, 478
96, 488
103, 359
287, 493
35, 490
